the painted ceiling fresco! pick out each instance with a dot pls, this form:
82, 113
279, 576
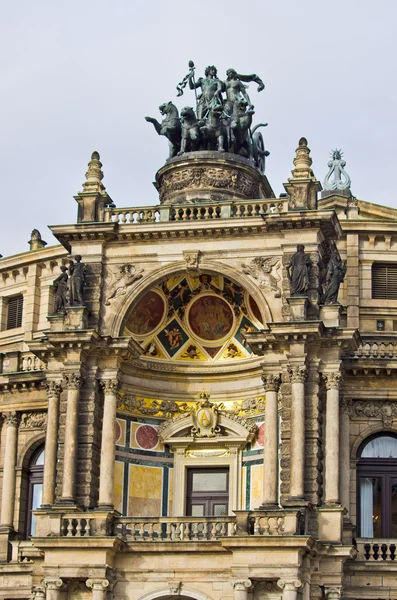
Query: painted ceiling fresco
194, 318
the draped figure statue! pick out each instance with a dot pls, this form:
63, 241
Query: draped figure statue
298, 272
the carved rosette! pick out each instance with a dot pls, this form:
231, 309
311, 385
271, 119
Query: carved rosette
11, 418
297, 373
271, 382
54, 388
109, 386
333, 381
74, 381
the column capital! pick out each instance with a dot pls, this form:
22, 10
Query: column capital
73, 381
52, 584
109, 386
271, 381
54, 388
11, 418
241, 584
333, 592
297, 373
293, 583
333, 381
97, 584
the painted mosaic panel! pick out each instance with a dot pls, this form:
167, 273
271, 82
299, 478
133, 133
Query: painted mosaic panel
172, 337
210, 318
147, 314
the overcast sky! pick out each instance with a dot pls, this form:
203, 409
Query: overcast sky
80, 75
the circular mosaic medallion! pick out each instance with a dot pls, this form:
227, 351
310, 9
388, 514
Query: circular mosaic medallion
210, 318
147, 437
255, 309
260, 435
147, 315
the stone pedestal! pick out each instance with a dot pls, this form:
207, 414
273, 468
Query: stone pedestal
299, 306
56, 321
208, 176
330, 315
330, 524
76, 318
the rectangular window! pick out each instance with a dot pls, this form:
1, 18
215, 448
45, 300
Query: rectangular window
207, 492
14, 312
384, 281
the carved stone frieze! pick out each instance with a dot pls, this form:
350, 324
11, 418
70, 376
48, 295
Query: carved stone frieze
266, 271
372, 409
250, 406
224, 180
33, 420
247, 423
126, 276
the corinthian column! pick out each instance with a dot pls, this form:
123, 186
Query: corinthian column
10, 459
54, 389
73, 383
99, 587
331, 492
271, 384
344, 453
108, 446
297, 376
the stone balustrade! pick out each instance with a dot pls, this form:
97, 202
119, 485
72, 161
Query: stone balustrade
73, 526
376, 550
17, 362
195, 212
259, 523
174, 529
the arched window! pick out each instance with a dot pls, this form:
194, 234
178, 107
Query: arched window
35, 489
377, 487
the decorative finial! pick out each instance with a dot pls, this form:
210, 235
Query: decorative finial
94, 173
204, 396
340, 179
302, 161
35, 242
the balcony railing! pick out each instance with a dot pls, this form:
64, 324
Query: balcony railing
171, 529
377, 550
195, 212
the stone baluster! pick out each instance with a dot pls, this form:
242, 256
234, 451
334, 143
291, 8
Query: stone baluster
290, 588
240, 588
297, 375
344, 453
99, 587
73, 383
10, 459
271, 384
54, 389
108, 446
331, 492
53, 588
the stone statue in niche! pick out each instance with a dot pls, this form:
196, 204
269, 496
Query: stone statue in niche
298, 272
77, 278
336, 272
61, 290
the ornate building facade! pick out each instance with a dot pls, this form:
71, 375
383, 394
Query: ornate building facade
187, 410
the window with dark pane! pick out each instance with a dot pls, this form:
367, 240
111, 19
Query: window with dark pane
207, 492
384, 281
14, 312
35, 490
